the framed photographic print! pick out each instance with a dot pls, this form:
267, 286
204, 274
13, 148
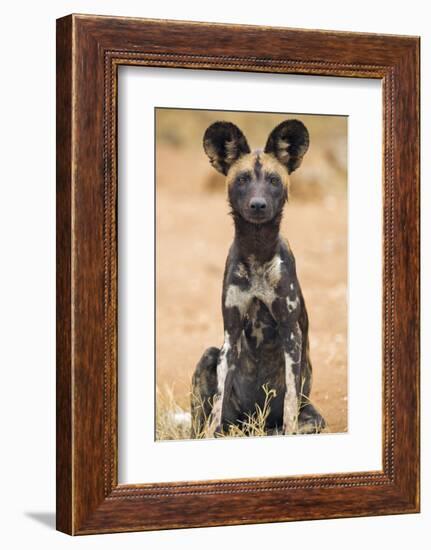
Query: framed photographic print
237, 274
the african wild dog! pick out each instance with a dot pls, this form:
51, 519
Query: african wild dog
264, 315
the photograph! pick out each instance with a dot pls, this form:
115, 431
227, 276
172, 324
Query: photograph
251, 273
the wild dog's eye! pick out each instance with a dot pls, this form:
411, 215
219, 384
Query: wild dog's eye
274, 180
243, 179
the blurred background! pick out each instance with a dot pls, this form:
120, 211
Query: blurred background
194, 232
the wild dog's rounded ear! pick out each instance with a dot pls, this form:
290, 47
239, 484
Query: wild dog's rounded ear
224, 143
288, 142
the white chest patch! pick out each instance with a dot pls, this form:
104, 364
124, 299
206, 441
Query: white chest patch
263, 280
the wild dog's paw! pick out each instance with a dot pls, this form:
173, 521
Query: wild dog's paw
218, 432
310, 421
290, 425
289, 430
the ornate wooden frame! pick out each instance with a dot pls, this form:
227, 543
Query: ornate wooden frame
89, 51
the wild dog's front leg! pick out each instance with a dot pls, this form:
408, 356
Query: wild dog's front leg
235, 304
225, 363
291, 337
292, 344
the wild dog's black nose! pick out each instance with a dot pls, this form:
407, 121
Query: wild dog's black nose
257, 204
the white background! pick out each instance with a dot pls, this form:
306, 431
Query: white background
141, 458
27, 236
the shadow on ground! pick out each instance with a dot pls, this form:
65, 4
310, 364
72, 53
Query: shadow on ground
45, 518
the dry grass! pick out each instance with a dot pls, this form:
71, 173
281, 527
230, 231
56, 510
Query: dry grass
174, 422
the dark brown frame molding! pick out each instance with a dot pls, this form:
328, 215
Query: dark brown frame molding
89, 51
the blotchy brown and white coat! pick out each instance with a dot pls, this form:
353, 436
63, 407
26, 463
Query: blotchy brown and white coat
264, 314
